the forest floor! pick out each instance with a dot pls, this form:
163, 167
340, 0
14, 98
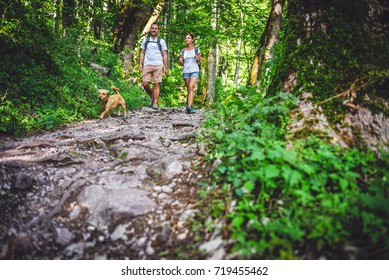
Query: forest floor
117, 188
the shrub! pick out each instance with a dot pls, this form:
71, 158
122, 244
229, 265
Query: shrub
309, 200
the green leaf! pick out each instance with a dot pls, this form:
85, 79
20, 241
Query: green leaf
237, 221
249, 186
306, 168
271, 171
343, 183
219, 134
239, 192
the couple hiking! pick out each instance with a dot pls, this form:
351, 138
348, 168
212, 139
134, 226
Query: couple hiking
154, 61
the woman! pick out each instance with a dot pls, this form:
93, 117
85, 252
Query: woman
191, 60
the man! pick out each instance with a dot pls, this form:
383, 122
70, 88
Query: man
153, 58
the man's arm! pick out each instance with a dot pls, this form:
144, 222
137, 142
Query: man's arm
141, 59
165, 62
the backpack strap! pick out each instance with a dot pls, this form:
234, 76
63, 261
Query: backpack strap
183, 51
158, 43
147, 42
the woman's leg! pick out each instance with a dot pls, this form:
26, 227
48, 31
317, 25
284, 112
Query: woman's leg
191, 86
187, 83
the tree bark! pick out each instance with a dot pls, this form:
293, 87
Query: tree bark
133, 15
268, 40
239, 46
96, 21
212, 61
57, 15
335, 61
68, 13
154, 17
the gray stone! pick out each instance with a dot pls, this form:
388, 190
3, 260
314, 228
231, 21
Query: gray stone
212, 245
119, 233
168, 167
106, 203
63, 236
116, 181
23, 182
75, 250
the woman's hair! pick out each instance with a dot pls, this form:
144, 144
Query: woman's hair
191, 35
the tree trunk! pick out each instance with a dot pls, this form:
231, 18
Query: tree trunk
57, 15
68, 13
238, 48
133, 15
268, 40
98, 10
154, 17
335, 60
212, 62
237, 67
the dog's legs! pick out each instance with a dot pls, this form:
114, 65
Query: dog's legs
103, 114
123, 105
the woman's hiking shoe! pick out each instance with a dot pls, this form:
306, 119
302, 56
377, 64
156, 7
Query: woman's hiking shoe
188, 109
192, 110
155, 107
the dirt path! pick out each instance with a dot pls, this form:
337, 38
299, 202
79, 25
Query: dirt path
116, 188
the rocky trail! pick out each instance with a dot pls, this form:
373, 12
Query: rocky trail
118, 188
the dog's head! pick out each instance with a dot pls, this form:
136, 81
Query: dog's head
103, 95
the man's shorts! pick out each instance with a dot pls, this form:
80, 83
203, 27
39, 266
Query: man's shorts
152, 72
190, 75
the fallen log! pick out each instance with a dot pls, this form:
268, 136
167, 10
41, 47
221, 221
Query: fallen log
100, 69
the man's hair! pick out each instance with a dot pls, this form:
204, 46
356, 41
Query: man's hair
154, 23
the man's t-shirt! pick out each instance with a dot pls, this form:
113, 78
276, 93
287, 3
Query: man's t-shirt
153, 55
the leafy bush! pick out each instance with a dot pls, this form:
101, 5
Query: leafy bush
308, 200
53, 85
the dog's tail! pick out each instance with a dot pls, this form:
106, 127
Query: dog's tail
115, 89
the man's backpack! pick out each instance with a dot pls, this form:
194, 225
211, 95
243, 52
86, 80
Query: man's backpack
158, 42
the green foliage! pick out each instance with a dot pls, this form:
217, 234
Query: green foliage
288, 202
45, 79
195, 17
173, 90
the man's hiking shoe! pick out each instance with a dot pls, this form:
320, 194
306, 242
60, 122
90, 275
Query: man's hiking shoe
151, 102
192, 111
154, 107
188, 109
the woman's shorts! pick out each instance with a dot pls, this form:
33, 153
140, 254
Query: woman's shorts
190, 75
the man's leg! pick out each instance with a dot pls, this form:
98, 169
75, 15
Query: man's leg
148, 89
146, 77
157, 90
157, 76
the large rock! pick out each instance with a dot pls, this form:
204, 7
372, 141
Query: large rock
168, 167
107, 204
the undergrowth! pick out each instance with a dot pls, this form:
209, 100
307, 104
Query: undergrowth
306, 199
54, 85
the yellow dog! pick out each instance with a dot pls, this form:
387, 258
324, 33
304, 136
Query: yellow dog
110, 102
